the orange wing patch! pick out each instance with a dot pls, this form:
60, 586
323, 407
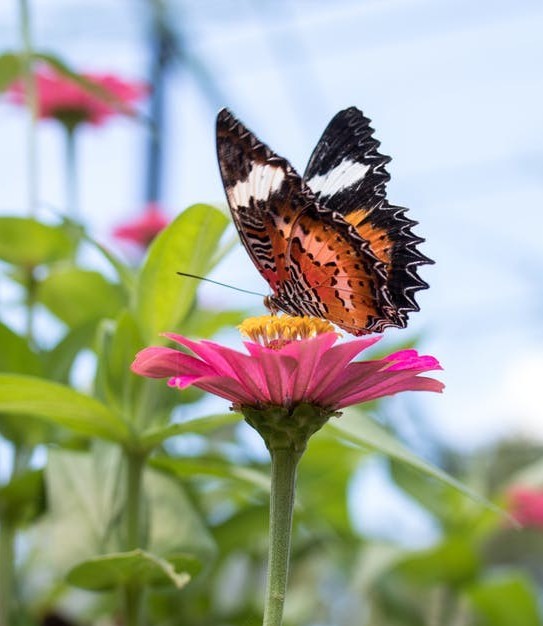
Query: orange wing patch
333, 274
378, 238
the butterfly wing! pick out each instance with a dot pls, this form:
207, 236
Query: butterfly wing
294, 242
265, 195
334, 268
347, 174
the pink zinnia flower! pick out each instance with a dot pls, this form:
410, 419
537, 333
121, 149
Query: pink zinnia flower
526, 506
64, 100
142, 230
292, 379
289, 362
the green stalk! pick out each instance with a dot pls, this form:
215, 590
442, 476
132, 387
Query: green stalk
283, 484
31, 97
7, 562
133, 594
30, 301
285, 431
436, 606
21, 458
72, 200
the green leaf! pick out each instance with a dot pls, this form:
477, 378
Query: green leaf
246, 529
85, 504
59, 360
15, 354
455, 512
79, 296
176, 527
163, 298
375, 561
23, 498
204, 323
212, 466
358, 428
136, 567
124, 272
200, 426
28, 431
119, 343
27, 242
60, 405
85, 519
455, 562
327, 468
11, 68
506, 599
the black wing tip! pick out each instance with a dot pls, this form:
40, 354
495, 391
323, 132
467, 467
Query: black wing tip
226, 121
354, 116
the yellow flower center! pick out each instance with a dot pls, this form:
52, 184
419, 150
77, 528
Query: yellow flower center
275, 332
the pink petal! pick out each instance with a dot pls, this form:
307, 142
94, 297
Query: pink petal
307, 354
319, 345
247, 372
277, 371
182, 382
209, 351
232, 363
410, 360
227, 388
391, 386
353, 378
335, 360
144, 228
160, 362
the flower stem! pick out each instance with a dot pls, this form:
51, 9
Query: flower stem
283, 482
7, 558
8, 531
31, 97
30, 301
72, 200
133, 596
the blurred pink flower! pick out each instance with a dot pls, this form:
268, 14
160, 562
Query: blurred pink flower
142, 230
65, 100
526, 506
288, 372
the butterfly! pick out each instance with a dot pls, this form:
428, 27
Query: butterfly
328, 243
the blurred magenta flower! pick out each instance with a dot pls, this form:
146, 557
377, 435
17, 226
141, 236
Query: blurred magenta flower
63, 99
289, 361
142, 230
526, 506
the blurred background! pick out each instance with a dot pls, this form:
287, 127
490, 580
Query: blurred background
455, 94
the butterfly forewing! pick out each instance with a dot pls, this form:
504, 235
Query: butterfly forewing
346, 171
264, 194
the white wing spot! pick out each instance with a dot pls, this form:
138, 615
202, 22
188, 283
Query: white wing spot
343, 176
262, 181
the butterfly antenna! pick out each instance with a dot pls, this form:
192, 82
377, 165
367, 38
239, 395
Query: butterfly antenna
215, 282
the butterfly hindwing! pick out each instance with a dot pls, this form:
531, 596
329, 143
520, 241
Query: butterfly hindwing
348, 174
337, 271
